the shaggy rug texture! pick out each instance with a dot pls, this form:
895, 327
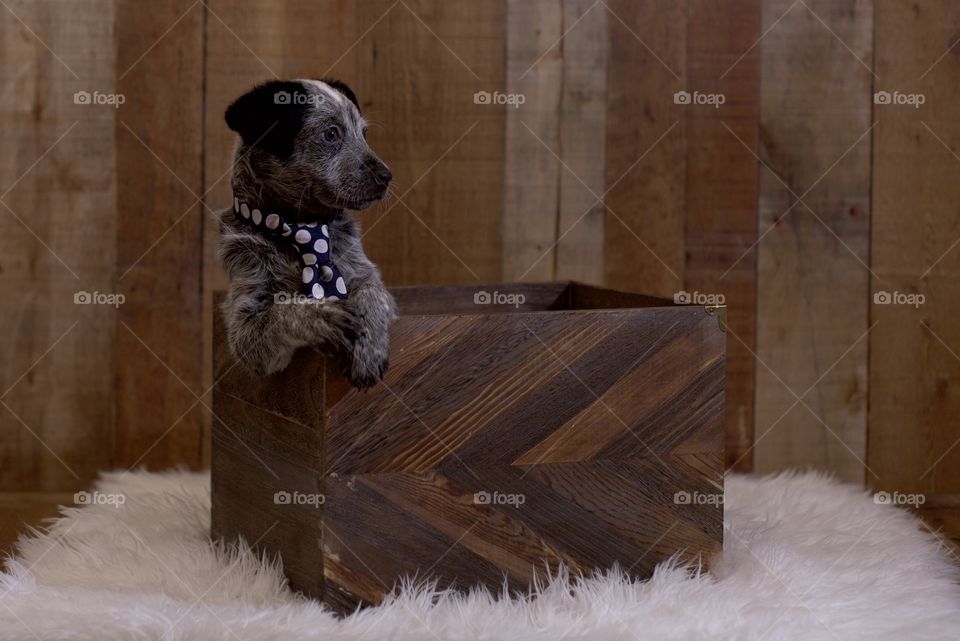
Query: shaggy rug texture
804, 558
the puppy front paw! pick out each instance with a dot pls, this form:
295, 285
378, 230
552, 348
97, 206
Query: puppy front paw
337, 329
369, 363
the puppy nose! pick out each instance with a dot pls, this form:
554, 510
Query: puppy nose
383, 174
378, 170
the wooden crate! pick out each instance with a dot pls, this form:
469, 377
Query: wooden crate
584, 426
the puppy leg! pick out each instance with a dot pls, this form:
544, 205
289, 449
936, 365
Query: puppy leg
263, 337
263, 334
375, 309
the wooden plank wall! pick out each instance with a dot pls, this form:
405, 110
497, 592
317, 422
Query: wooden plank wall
915, 351
159, 151
721, 193
531, 177
600, 175
418, 71
815, 124
583, 122
57, 225
645, 147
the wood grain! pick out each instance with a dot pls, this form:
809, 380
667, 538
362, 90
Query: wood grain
420, 67
643, 243
159, 240
721, 191
531, 174
812, 254
583, 129
542, 406
251, 496
57, 223
914, 370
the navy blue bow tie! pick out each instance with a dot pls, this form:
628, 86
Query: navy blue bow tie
320, 278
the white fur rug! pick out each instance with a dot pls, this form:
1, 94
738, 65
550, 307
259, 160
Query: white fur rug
804, 558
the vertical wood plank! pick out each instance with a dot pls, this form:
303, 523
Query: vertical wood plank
643, 244
812, 285
721, 191
159, 149
56, 239
531, 176
914, 369
583, 127
249, 43
420, 68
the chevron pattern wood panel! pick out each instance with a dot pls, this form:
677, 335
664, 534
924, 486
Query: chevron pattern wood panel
583, 427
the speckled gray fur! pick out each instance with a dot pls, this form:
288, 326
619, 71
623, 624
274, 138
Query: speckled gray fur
289, 161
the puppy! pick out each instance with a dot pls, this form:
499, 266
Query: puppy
290, 244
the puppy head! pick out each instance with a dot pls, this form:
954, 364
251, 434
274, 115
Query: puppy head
304, 140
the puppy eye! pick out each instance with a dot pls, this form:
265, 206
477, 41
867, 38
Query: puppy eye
364, 132
331, 134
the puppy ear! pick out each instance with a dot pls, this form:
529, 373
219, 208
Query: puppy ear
269, 116
342, 88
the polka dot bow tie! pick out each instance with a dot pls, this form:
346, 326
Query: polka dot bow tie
319, 277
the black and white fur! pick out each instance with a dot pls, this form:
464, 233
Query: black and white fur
302, 154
